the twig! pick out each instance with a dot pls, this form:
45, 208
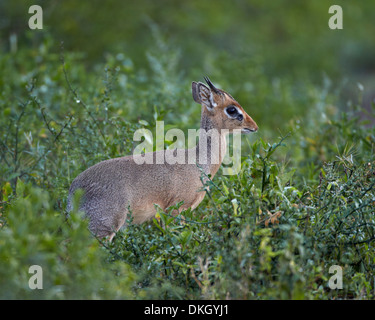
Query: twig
77, 98
189, 221
270, 151
56, 136
16, 152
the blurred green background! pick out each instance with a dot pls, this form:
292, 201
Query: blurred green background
285, 35
237, 43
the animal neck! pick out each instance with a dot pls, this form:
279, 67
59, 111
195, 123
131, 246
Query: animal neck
211, 148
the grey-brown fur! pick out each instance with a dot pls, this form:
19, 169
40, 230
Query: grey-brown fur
114, 186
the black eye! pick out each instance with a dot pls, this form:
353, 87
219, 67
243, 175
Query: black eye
231, 110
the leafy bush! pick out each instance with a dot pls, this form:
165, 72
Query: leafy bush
72, 261
262, 237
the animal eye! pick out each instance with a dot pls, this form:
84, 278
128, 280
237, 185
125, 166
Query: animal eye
231, 110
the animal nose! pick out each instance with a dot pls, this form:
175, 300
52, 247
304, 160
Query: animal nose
254, 129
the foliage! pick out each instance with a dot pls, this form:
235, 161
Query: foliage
72, 260
258, 236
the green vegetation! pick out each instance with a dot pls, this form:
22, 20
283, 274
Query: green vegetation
303, 201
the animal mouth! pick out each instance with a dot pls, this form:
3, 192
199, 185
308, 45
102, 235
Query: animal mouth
247, 130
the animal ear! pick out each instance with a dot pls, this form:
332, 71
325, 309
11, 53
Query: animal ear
203, 95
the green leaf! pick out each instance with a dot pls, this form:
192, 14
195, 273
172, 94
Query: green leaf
20, 188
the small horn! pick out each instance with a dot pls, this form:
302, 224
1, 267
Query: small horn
213, 88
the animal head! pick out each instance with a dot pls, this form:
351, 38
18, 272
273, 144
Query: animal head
222, 109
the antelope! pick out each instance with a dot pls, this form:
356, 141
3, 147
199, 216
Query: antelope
115, 187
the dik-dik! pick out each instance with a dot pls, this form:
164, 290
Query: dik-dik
113, 187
